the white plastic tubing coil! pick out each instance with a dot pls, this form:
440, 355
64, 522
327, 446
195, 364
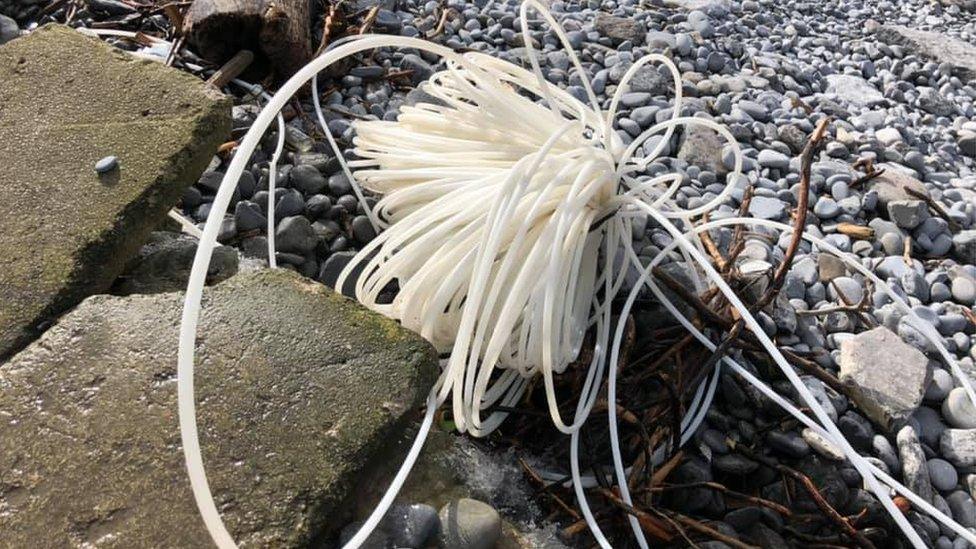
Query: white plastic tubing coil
504, 220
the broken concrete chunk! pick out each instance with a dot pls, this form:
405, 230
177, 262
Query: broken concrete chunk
854, 89
888, 376
964, 246
908, 214
619, 29
66, 231
296, 389
702, 147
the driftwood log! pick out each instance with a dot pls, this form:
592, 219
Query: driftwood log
278, 31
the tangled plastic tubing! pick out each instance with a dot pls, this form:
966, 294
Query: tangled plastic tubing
514, 187
445, 128
404, 172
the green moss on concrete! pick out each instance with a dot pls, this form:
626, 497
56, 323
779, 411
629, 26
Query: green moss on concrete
66, 101
296, 390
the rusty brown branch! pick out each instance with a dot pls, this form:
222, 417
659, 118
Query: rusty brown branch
782, 510
651, 525
814, 493
806, 159
709, 531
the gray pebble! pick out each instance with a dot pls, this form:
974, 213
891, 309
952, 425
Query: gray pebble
8, 29
851, 289
248, 216
885, 452
769, 158
295, 234
963, 508
362, 229
958, 410
940, 386
826, 208
908, 214
411, 525
789, 444
339, 185
942, 474
767, 208
913, 465
107, 164
290, 204
307, 179
734, 464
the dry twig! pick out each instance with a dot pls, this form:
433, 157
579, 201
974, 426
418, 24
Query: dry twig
814, 492
445, 14
709, 531
867, 165
171, 57
799, 222
368, 20
650, 524
782, 510
231, 69
859, 232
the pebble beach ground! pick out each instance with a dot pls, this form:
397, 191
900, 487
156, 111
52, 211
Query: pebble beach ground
897, 79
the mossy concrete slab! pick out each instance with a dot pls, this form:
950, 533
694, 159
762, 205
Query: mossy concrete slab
297, 389
66, 101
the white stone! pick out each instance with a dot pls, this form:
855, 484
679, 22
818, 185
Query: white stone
888, 136
914, 469
959, 446
853, 89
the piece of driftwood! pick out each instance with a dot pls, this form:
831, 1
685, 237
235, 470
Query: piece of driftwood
279, 31
231, 69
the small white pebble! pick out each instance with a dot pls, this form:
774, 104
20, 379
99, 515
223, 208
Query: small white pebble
106, 164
